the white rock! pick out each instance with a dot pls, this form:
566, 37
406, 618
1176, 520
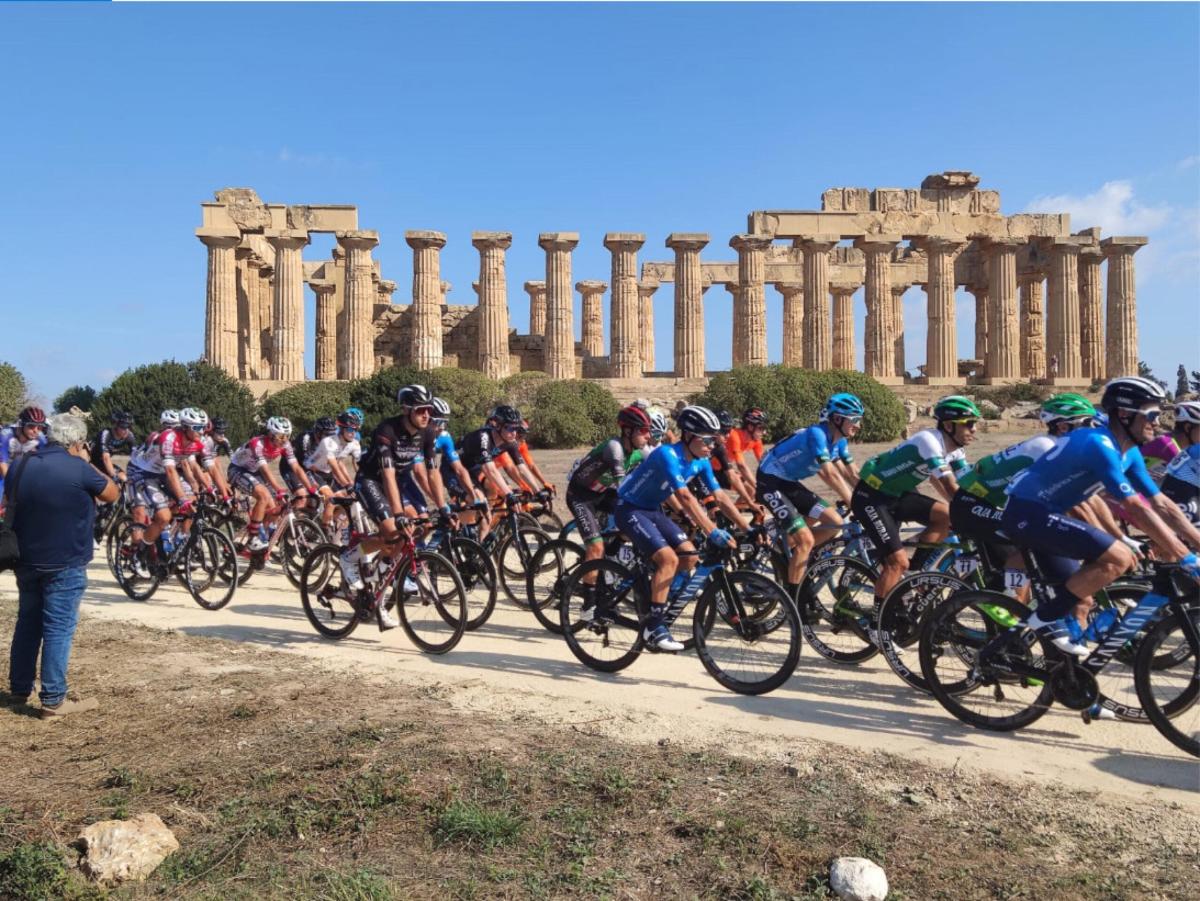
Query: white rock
122, 850
858, 879
910, 408
988, 408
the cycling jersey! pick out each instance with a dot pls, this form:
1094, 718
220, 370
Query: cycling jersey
599, 469
214, 445
332, 447
259, 451
109, 443
165, 449
912, 461
14, 446
802, 453
1181, 483
1159, 453
444, 452
1079, 465
662, 474
991, 476
738, 441
638, 455
479, 447
394, 447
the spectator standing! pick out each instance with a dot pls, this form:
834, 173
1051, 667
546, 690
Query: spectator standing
53, 517
1053, 366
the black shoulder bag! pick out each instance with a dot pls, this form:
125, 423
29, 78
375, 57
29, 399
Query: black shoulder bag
10, 553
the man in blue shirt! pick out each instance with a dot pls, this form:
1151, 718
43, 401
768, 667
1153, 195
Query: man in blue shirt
54, 507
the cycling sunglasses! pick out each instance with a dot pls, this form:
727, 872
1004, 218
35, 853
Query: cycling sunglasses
706, 440
424, 408
969, 423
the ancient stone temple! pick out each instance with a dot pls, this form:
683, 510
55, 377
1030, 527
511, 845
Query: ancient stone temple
1045, 308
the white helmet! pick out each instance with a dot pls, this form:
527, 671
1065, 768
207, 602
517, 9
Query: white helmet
658, 422
1188, 411
193, 418
279, 425
169, 419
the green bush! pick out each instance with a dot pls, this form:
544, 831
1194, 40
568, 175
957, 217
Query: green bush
32, 871
469, 393
520, 388
571, 414
307, 402
792, 398
12, 392
148, 390
81, 396
1007, 395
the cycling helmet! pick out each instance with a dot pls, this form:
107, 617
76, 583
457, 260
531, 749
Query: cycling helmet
506, 415
32, 416
219, 425
355, 415
348, 421
279, 425
325, 426
698, 421
122, 420
1188, 411
169, 419
658, 423
193, 418
1066, 407
414, 396
1101, 418
635, 418
842, 404
754, 416
955, 406
1131, 393
441, 409
725, 418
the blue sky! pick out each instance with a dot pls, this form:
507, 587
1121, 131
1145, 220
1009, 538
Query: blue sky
119, 120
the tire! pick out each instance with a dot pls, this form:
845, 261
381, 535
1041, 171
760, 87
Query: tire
749, 642
210, 567
988, 697
613, 639
513, 556
1168, 694
112, 543
836, 606
478, 574
549, 521
546, 580
435, 615
137, 581
328, 602
900, 618
296, 543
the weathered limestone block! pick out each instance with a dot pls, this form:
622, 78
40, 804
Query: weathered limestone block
287, 320
358, 313
593, 317
1091, 313
1033, 325
1122, 337
898, 328
537, 307
793, 322
221, 302
118, 851
879, 355
1004, 353
843, 326
1063, 309
818, 350
494, 359
750, 327
941, 348
325, 365
646, 289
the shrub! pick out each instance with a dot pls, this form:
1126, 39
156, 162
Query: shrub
81, 396
571, 413
792, 398
307, 402
1006, 395
469, 393
148, 390
520, 388
12, 392
32, 870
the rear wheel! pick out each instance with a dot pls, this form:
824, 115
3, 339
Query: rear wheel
513, 556
296, 543
478, 574
836, 604
602, 622
328, 601
546, 580
900, 617
138, 577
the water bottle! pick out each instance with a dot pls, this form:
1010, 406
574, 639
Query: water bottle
165, 544
1100, 624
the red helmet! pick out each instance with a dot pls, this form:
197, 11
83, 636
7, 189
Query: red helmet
32, 416
633, 417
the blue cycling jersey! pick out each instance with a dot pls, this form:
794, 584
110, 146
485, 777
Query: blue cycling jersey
443, 450
662, 474
1080, 465
802, 453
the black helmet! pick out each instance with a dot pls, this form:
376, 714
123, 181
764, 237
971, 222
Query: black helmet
506, 415
414, 396
348, 421
219, 425
698, 421
1131, 393
754, 416
325, 426
122, 420
726, 419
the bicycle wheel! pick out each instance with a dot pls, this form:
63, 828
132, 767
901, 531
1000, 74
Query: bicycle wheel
296, 543
1005, 692
209, 567
112, 543
513, 556
545, 582
478, 574
836, 605
549, 521
900, 617
748, 637
430, 602
137, 578
611, 638
1168, 694
328, 601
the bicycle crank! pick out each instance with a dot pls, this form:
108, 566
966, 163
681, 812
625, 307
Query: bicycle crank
1073, 686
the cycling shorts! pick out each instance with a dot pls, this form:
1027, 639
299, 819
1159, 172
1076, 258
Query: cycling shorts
590, 509
880, 515
1058, 542
374, 499
649, 530
411, 494
293, 483
150, 490
789, 502
323, 479
972, 518
243, 479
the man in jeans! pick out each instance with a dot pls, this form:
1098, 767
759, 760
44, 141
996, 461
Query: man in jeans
54, 511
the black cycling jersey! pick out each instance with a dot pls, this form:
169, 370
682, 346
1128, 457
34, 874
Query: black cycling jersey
479, 447
109, 443
302, 446
600, 469
394, 447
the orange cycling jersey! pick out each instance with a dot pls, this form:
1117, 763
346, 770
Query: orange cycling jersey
739, 441
505, 460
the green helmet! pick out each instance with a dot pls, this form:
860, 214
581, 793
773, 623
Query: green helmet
1067, 406
955, 406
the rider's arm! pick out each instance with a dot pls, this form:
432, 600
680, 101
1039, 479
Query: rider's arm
832, 477
722, 500
693, 509
527, 458
431, 488
1170, 513
339, 473
1126, 484
492, 477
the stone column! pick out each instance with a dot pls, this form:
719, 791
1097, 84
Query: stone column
358, 312
898, 328
560, 321
426, 322
646, 291
1033, 325
287, 320
793, 322
325, 354
247, 298
982, 313
1091, 313
689, 304
750, 328
941, 339
220, 300
266, 319
341, 353
1122, 336
817, 347
843, 326
593, 316
1063, 311
493, 303
255, 323
624, 344
1004, 352
879, 349
537, 307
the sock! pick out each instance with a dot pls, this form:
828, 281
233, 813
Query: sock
1058, 605
792, 589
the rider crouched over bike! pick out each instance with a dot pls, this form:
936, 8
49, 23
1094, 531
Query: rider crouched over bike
1035, 516
250, 472
1181, 481
662, 476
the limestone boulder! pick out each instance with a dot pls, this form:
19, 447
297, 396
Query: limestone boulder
116, 851
858, 879
989, 409
1023, 410
910, 407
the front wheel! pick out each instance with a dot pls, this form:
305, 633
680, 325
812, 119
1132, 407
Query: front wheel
513, 556
297, 542
478, 574
210, 567
329, 602
837, 608
138, 577
900, 617
1168, 693
430, 601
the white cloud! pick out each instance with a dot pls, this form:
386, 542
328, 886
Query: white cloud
1188, 162
1113, 207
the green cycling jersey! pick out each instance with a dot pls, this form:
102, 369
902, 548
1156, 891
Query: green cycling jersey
912, 461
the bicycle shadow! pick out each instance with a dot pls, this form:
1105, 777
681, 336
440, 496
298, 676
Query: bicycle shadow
1151, 769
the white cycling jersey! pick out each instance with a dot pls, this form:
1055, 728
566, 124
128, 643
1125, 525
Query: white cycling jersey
332, 447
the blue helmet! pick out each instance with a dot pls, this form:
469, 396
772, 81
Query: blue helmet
842, 404
355, 415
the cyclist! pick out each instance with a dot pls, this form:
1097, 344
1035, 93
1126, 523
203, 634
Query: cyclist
1181, 483
324, 463
447, 468
356, 414
749, 437
1035, 515
302, 447
168, 419
117, 439
215, 440
886, 493
250, 472
639, 515
27, 434
807, 452
592, 481
526, 457
483, 451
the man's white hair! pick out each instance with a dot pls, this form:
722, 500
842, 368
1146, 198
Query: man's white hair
65, 429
